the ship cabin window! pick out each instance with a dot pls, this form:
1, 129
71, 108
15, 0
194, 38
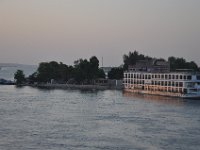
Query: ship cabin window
125, 75
185, 91
131, 75
189, 77
142, 76
198, 77
185, 77
131, 81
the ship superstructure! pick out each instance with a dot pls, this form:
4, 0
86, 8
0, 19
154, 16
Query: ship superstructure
182, 83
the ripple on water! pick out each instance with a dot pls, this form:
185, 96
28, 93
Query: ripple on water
70, 119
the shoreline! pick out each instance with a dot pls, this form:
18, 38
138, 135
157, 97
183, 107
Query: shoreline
74, 86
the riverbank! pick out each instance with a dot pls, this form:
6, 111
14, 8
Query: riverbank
75, 86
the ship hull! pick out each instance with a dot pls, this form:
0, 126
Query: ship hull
168, 94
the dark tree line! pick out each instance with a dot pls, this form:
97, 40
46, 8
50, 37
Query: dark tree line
181, 63
83, 71
86, 71
175, 62
116, 73
133, 57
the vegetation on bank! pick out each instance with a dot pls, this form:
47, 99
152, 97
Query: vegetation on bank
19, 77
87, 71
83, 72
175, 62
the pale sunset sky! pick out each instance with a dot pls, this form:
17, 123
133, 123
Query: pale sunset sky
32, 31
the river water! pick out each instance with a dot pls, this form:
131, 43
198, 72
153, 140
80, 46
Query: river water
39, 119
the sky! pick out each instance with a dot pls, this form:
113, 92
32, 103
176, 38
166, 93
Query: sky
34, 31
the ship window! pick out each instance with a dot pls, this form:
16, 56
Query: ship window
125, 75
198, 77
189, 77
142, 76
184, 77
131, 75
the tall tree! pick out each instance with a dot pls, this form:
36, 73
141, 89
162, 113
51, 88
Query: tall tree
115, 73
19, 77
132, 58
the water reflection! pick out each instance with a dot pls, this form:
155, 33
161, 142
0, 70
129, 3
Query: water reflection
155, 98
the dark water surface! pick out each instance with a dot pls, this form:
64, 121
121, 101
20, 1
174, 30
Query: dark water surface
35, 119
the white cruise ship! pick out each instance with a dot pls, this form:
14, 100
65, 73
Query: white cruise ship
183, 83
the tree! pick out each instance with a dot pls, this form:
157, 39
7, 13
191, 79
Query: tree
115, 73
19, 77
132, 58
181, 63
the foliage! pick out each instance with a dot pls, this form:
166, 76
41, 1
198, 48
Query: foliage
175, 63
83, 71
132, 58
115, 73
181, 63
33, 77
53, 70
87, 71
19, 77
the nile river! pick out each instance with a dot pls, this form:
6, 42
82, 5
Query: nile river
38, 119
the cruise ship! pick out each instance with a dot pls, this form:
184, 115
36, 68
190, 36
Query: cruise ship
154, 77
